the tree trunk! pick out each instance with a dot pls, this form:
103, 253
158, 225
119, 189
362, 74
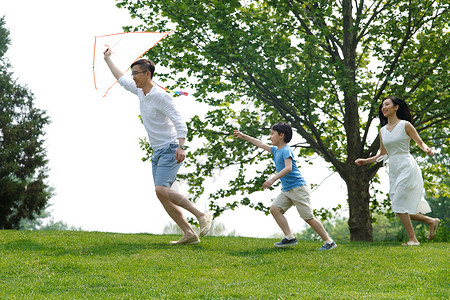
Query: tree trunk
356, 178
359, 221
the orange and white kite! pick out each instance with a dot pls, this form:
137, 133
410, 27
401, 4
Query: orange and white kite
126, 47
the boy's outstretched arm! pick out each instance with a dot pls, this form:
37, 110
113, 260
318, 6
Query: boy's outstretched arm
252, 140
114, 69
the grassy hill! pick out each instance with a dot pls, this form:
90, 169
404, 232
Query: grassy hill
96, 265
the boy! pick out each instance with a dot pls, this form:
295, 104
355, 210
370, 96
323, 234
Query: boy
166, 131
294, 189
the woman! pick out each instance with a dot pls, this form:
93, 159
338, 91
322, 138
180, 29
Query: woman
405, 177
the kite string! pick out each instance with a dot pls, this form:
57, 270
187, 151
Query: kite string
175, 92
95, 45
123, 35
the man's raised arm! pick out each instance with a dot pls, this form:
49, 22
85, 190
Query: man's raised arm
114, 69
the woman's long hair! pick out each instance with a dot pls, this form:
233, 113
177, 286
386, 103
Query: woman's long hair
403, 112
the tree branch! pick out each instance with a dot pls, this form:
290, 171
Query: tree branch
316, 142
374, 15
431, 123
329, 38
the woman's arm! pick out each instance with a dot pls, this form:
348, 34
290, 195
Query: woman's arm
370, 160
412, 132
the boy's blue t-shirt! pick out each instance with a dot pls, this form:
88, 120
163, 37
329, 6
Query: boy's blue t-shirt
294, 178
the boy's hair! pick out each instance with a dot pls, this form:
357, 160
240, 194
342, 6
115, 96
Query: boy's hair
285, 128
145, 65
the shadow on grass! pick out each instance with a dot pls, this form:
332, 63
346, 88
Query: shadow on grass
129, 245
100, 248
106, 245
260, 251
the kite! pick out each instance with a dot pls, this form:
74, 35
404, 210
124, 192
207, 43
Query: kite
126, 47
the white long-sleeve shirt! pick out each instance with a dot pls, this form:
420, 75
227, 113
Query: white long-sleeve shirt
162, 120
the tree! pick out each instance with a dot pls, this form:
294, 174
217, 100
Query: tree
44, 221
324, 66
23, 171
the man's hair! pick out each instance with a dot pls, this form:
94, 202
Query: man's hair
285, 128
145, 65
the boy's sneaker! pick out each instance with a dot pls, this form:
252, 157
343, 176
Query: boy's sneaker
328, 246
286, 243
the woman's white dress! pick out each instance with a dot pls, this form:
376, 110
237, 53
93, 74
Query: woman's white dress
405, 177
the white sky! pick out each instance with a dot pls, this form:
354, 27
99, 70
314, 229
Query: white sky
101, 184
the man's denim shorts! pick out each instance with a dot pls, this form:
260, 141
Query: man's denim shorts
164, 165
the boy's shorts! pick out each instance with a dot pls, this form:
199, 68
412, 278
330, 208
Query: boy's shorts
299, 197
164, 165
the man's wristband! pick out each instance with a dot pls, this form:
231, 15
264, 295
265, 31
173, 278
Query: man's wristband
182, 147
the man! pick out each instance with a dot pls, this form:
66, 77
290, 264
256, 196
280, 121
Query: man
167, 131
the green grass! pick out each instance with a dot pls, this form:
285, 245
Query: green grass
94, 265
